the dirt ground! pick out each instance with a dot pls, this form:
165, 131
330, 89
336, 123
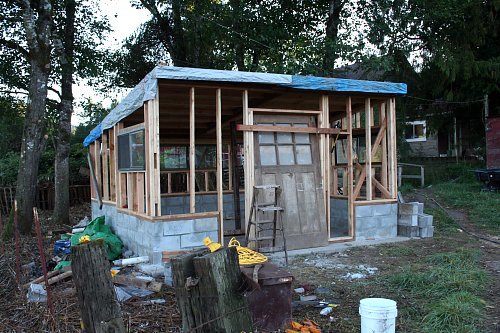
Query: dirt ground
341, 278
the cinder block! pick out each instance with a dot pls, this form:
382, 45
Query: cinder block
207, 224
378, 210
153, 228
196, 239
178, 227
363, 211
425, 220
408, 220
426, 232
409, 208
408, 231
166, 243
155, 258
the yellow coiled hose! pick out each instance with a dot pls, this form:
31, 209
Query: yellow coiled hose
246, 257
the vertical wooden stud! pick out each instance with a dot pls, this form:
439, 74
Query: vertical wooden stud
249, 152
98, 167
394, 151
156, 153
112, 162
192, 153
368, 154
131, 198
325, 157
119, 188
383, 173
93, 190
350, 171
220, 193
105, 167
148, 175
139, 191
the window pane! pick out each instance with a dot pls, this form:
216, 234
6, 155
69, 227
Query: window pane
266, 137
284, 137
173, 157
267, 155
123, 152
419, 130
137, 149
408, 131
286, 155
303, 154
206, 156
301, 137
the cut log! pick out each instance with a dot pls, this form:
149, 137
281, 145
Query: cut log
208, 292
99, 307
58, 278
41, 278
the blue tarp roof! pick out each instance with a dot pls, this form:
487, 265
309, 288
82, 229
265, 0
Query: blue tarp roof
147, 88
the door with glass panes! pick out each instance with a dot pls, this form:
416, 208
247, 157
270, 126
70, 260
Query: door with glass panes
292, 161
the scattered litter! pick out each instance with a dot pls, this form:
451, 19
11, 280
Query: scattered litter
62, 246
153, 301
308, 298
307, 326
61, 264
83, 223
322, 290
137, 292
77, 230
121, 294
130, 261
354, 276
299, 290
151, 269
327, 310
36, 293
139, 283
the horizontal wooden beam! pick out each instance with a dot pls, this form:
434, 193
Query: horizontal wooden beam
286, 129
263, 110
131, 129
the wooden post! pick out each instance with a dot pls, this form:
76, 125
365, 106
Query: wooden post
249, 153
236, 177
91, 158
214, 303
392, 110
119, 188
220, 193
105, 167
192, 153
350, 170
368, 144
325, 156
383, 173
99, 308
112, 162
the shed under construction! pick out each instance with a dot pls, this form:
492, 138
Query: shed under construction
177, 160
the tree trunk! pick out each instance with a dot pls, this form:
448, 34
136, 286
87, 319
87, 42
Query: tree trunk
99, 308
61, 205
332, 30
37, 23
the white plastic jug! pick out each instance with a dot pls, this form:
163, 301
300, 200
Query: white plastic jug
378, 315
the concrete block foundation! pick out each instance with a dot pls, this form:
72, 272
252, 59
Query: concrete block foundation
147, 238
376, 221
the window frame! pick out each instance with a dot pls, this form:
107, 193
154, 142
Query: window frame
413, 124
130, 151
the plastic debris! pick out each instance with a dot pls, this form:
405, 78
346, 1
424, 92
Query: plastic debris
62, 246
83, 223
84, 239
36, 293
299, 290
327, 310
308, 298
97, 229
61, 264
131, 261
121, 294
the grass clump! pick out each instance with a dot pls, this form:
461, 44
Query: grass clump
449, 284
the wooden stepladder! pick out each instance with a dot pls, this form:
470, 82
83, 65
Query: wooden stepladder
265, 227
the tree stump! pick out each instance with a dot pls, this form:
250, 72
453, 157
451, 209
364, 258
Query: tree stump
207, 289
99, 307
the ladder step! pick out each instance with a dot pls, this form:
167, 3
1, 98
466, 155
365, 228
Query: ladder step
270, 209
269, 249
261, 238
265, 204
265, 187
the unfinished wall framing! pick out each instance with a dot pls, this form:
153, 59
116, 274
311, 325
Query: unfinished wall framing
196, 149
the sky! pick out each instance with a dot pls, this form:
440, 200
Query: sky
124, 20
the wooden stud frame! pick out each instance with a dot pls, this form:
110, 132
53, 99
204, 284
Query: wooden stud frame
350, 171
249, 157
192, 154
324, 122
105, 167
220, 199
368, 144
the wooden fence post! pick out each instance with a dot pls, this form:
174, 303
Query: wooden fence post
99, 308
208, 292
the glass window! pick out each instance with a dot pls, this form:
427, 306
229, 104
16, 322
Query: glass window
131, 151
284, 137
267, 155
415, 131
303, 153
266, 137
286, 155
173, 157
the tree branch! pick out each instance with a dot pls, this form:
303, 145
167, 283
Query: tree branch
14, 46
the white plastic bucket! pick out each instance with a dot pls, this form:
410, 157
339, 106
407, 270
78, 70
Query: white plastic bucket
378, 315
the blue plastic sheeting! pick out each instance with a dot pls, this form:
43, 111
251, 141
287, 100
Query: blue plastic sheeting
93, 135
346, 85
147, 88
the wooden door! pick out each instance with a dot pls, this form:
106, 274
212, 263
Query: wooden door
292, 161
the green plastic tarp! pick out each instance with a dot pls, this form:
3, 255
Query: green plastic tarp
98, 230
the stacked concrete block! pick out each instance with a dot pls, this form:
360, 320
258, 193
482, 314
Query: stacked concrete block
376, 221
152, 238
412, 222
